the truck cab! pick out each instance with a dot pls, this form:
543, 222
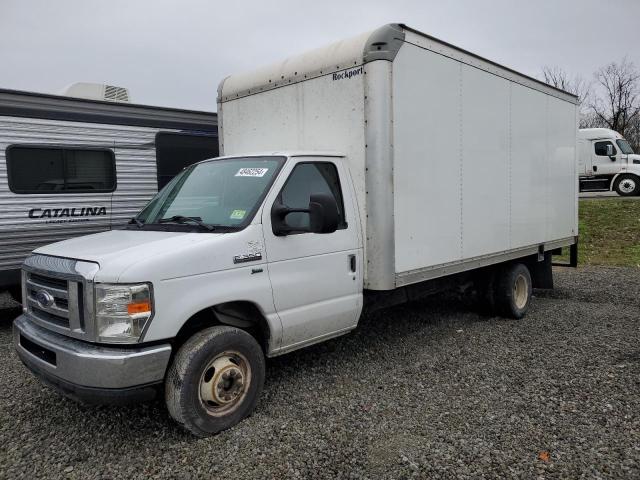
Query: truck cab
607, 162
268, 243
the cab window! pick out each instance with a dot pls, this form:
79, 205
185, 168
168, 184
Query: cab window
306, 179
601, 148
624, 146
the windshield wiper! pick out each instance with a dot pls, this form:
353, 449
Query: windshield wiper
135, 220
183, 219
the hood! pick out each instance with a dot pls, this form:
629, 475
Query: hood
133, 244
141, 256
634, 159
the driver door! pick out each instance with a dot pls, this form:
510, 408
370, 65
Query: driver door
602, 163
316, 278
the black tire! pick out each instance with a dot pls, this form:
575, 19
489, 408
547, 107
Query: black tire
512, 294
183, 394
627, 185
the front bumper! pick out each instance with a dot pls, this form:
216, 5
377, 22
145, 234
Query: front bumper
90, 373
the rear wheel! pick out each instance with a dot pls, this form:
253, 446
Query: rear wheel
627, 185
512, 293
215, 380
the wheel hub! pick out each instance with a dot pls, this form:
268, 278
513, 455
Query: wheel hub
627, 185
223, 383
520, 292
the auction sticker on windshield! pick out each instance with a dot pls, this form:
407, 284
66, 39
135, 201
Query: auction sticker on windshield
238, 214
252, 172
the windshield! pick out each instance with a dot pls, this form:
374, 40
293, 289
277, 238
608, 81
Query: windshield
222, 193
624, 146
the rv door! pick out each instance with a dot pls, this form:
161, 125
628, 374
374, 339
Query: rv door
137, 184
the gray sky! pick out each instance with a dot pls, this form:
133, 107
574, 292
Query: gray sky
174, 53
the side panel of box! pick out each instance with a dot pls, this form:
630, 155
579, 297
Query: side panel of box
428, 152
484, 167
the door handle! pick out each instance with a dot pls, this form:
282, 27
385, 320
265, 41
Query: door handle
352, 263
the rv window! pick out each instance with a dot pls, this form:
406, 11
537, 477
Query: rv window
39, 170
601, 148
175, 151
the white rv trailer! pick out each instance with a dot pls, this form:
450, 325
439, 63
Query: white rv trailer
71, 166
359, 175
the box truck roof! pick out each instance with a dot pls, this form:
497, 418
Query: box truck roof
379, 44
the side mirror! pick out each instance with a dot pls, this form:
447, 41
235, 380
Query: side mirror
323, 216
610, 153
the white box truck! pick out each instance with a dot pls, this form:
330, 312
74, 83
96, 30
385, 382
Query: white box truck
360, 175
606, 162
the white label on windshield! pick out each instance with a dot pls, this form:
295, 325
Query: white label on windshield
252, 172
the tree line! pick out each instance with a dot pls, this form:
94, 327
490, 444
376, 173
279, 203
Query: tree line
610, 100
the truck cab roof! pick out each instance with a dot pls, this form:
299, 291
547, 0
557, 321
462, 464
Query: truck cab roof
285, 153
597, 134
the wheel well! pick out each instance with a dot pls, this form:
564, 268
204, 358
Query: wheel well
622, 174
540, 270
240, 314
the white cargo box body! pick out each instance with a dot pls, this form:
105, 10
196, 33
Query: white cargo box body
457, 162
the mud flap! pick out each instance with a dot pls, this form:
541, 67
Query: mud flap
541, 272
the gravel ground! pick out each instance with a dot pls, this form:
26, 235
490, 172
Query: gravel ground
429, 390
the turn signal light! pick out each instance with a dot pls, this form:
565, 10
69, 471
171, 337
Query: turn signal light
141, 307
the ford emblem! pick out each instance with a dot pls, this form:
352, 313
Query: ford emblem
44, 298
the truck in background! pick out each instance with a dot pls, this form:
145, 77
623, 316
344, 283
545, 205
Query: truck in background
606, 162
74, 166
357, 176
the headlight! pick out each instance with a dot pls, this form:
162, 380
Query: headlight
122, 311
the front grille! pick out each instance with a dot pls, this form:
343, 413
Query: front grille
54, 301
58, 294
59, 301
62, 303
50, 282
50, 317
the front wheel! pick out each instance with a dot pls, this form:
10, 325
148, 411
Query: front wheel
627, 185
215, 380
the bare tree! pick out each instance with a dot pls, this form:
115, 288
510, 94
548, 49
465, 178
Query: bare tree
618, 106
576, 85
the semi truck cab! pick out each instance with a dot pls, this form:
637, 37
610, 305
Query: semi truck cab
607, 162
